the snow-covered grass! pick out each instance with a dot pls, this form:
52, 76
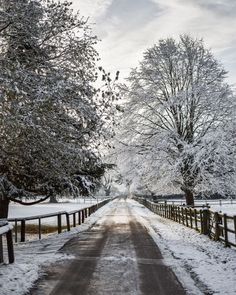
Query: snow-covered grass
18, 278
229, 209
48, 224
203, 266
20, 211
225, 206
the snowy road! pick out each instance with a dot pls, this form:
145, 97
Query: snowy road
116, 256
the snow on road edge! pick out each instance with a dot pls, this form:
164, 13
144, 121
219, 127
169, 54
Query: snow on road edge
18, 278
201, 265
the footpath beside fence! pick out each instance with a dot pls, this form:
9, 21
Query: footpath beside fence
218, 226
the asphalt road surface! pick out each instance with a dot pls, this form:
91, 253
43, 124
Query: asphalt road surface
116, 256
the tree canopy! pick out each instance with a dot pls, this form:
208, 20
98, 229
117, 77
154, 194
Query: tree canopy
179, 118
52, 118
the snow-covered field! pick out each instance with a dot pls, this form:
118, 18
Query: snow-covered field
225, 206
49, 224
19, 211
229, 209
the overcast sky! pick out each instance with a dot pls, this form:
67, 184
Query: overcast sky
128, 27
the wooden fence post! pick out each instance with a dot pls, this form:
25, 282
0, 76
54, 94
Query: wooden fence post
225, 230
205, 226
1, 249
186, 217
68, 221
217, 228
59, 223
16, 230
10, 248
22, 229
235, 227
179, 215
191, 217
39, 231
182, 213
195, 219
82, 219
74, 220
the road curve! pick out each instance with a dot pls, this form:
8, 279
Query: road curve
116, 256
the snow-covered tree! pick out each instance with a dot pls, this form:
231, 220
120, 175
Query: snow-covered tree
178, 118
52, 117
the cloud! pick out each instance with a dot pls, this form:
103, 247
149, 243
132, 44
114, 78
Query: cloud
92, 8
131, 15
221, 7
128, 27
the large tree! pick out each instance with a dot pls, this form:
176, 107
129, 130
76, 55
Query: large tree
51, 116
179, 114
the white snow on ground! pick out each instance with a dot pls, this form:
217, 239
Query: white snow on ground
225, 206
17, 278
20, 211
229, 209
202, 266
196, 260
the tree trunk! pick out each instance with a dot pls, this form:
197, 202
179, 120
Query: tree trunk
4, 206
53, 199
189, 175
107, 192
189, 197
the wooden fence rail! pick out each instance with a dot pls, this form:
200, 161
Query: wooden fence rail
198, 202
218, 226
6, 230
73, 218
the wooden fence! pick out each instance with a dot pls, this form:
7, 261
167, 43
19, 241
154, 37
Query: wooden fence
6, 232
73, 218
198, 202
218, 226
